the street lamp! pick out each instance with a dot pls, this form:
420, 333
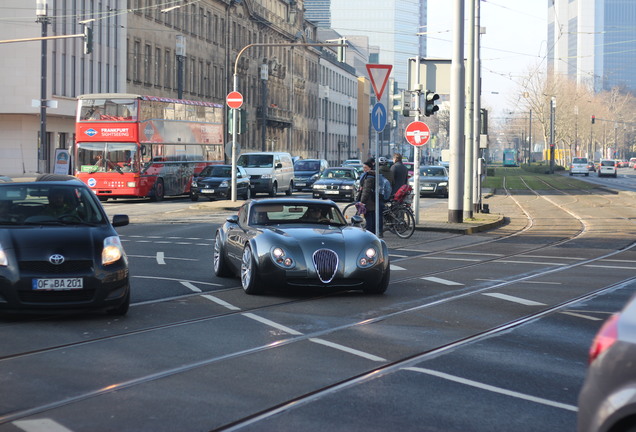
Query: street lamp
41, 13
181, 55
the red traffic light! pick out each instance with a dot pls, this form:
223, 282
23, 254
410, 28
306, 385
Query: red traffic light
593, 119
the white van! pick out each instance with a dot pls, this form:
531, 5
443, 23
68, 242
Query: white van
269, 172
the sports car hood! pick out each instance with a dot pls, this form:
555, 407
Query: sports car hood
338, 239
38, 243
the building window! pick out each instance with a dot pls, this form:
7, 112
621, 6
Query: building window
157, 68
147, 63
167, 69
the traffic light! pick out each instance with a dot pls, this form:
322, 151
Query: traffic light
430, 108
593, 119
405, 103
88, 39
342, 50
483, 121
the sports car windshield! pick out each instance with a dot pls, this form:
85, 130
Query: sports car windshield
278, 214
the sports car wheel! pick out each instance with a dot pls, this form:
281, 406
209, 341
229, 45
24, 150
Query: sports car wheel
382, 286
221, 268
249, 278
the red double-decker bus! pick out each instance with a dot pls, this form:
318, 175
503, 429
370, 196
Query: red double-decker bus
129, 145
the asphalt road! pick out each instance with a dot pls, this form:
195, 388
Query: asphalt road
484, 332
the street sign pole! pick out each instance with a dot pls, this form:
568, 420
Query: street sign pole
417, 156
234, 120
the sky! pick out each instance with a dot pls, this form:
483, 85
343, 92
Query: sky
514, 42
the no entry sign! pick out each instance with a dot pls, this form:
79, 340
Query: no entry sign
234, 100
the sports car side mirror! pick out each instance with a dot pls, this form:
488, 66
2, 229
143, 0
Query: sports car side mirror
232, 219
120, 220
356, 220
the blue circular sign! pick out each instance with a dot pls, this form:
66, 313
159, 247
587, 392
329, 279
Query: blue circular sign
378, 117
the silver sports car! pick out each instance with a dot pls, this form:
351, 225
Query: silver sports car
303, 243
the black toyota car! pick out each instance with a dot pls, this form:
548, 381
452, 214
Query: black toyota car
58, 250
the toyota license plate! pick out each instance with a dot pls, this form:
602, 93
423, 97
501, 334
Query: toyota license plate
57, 284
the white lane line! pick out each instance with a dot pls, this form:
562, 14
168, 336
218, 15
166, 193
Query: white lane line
348, 350
178, 280
442, 281
396, 267
494, 389
40, 425
451, 259
522, 281
272, 324
578, 315
221, 302
552, 257
398, 256
155, 257
160, 258
474, 253
514, 299
531, 262
609, 267
618, 260
190, 286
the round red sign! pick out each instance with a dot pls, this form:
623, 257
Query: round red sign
234, 100
417, 133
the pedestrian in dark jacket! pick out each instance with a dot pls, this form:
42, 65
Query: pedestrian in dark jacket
400, 173
367, 196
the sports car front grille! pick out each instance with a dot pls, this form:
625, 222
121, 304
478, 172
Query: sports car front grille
326, 263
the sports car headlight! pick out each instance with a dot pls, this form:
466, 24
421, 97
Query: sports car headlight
113, 250
223, 184
368, 257
3, 258
281, 258
443, 184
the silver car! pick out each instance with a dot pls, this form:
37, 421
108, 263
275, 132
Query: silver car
607, 401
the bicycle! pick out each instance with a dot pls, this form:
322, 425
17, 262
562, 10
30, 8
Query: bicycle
397, 218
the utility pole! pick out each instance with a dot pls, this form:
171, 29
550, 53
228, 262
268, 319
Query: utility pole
41, 12
470, 106
456, 179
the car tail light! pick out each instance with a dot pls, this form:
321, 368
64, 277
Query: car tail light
605, 337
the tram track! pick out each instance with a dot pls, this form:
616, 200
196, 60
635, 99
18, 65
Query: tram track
429, 302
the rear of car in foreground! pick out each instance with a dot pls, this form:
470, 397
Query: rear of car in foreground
607, 402
579, 165
58, 251
607, 168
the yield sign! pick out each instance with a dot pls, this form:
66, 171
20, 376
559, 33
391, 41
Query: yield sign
417, 133
379, 74
234, 100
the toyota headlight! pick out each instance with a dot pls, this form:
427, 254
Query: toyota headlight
224, 184
113, 250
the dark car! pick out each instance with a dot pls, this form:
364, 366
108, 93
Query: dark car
58, 250
214, 182
337, 183
607, 401
302, 244
433, 180
307, 171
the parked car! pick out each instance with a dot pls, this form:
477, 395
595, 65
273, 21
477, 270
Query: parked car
622, 163
337, 183
215, 182
58, 250
433, 180
409, 166
607, 167
307, 171
302, 244
607, 401
631, 162
579, 165
352, 161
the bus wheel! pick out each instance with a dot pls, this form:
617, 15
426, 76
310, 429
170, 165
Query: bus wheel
159, 191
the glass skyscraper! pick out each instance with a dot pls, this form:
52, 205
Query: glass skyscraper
391, 25
594, 41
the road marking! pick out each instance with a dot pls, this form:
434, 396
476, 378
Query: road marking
160, 259
609, 267
451, 259
578, 315
474, 253
221, 302
155, 257
493, 389
442, 281
40, 425
398, 256
522, 281
348, 350
531, 262
190, 286
552, 257
514, 299
175, 279
395, 267
272, 324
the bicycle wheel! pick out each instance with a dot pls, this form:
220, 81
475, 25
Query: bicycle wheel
349, 211
403, 223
